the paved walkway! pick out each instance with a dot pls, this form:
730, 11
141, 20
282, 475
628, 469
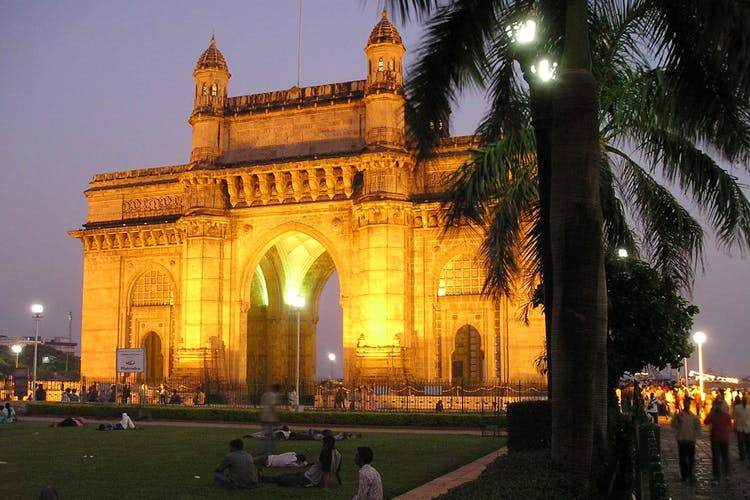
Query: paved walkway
736, 488
441, 485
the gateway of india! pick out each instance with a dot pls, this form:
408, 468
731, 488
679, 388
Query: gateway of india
199, 264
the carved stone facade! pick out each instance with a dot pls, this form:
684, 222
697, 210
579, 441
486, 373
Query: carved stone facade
198, 263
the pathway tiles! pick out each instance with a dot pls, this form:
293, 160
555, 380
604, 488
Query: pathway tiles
737, 487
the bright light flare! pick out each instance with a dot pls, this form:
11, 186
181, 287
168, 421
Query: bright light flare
522, 32
545, 70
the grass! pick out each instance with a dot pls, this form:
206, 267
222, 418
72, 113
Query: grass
161, 461
526, 474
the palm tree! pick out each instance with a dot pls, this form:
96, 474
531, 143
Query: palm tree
700, 58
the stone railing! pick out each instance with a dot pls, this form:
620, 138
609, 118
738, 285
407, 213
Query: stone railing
313, 183
305, 96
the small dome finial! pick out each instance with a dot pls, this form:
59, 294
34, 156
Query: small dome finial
212, 57
384, 32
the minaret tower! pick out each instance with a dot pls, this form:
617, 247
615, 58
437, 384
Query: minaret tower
384, 95
211, 77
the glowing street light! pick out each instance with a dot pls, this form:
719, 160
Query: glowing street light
298, 303
522, 32
36, 313
332, 359
622, 253
17, 348
699, 338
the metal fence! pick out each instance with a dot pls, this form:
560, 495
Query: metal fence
383, 395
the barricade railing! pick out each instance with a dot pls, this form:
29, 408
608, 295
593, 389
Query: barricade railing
326, 394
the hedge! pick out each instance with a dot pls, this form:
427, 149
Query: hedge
242, 414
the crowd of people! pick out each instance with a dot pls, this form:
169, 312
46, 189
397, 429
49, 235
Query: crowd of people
723, 410
238, 469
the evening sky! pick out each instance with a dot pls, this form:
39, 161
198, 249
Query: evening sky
100, 86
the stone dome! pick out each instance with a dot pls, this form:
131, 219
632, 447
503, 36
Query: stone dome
212, 58
384, 32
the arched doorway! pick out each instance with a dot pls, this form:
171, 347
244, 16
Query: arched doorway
295, 266
467, 360
154, 358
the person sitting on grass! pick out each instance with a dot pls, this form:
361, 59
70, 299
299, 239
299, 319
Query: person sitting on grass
8, 414
318, 474
236, 469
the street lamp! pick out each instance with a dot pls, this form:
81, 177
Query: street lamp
36, 313
298, 303
17, 348
525, 48
699, 338
332, 359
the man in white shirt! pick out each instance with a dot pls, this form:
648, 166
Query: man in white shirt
370, 484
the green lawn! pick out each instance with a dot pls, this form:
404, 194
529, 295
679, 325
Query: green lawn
162, 461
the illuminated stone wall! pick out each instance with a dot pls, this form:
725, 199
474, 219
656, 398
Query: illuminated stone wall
198, 263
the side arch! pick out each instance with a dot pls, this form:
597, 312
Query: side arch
152, 307
467, 358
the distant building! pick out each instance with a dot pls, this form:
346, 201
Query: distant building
60, 343
198, 263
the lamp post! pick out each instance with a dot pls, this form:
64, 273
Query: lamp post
524, 38
699, 338
298, 303
17, 348
36, 313
332, 359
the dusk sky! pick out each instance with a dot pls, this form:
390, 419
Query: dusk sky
101, 86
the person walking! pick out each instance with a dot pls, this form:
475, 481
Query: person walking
652, 408
741, 415
268, 417
721, 429
688, 428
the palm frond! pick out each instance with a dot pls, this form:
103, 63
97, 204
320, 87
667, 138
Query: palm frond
673, 239
717, 193
452, 57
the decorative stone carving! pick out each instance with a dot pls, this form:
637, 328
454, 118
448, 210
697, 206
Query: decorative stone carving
151, 207
120, 238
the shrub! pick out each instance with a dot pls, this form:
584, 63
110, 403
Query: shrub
243, 414
529, 425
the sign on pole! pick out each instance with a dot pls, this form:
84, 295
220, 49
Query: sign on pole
131, 360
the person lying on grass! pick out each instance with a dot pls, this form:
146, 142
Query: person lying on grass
318, 474
125, 423
288, 459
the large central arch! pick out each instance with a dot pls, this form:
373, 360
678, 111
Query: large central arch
294, 262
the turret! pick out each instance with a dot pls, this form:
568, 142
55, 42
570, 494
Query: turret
211, 78
384, 94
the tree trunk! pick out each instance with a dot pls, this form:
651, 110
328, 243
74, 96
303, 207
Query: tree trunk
579, 314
